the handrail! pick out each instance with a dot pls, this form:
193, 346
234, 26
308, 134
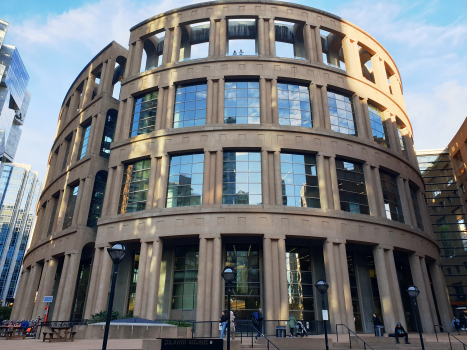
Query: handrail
449, 336
261, 335
350, 339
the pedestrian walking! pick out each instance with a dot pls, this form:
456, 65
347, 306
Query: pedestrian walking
456, 324
376, 323
399, 332
292, 324
464, 322
257, 319
232, 325
223, 321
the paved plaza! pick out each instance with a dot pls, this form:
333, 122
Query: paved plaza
81, 344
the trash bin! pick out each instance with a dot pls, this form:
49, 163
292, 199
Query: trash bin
280, 332
379, 330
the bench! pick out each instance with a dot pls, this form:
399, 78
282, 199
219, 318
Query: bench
51, 335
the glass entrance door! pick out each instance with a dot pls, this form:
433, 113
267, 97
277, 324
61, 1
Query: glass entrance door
246, 290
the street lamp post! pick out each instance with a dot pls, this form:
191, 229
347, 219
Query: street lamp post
322, 287
413, 293
117, 253
229, 275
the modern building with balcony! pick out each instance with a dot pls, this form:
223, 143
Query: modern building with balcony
262, 135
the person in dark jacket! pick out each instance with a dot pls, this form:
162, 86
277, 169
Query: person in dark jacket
456, 324
25, 324
376, 322
399, 332
223, 320
258, 322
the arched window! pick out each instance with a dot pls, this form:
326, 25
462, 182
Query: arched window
153, 52
97, 198
109, 132
119, 72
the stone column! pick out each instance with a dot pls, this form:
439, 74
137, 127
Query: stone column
209, 100
219, 177
379, 71
20, 292
404, 201
103, 282
352, 66
272, 38
140, 285
423, 304
107, 86
201, 281
366, 115
268, 284
162, 182
220, 102
393, 139
441, 294
96, 134
216, 281
331, 278
379, 193
335, 186
136, 56
359, 116
319, 49
425, 215
176, 44
102, 77
387, 303
89, 89
93, 283
41, 287
261, 36
429, 292
62, 207
61, 288
82, 211
33, 282
208, 287
152, 184
324, 99
70, 286
395, 287
78, 202
322, 181
262, 91
370, 190
46, 285
308, 43
154, 278
346, 286
274, 102
116, 190
223, 38
207, 179
277, 177
265, 177
315, 108
410, 203
170, 98
284, 302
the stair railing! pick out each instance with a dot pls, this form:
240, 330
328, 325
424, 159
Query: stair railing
365, 344
253, 331
449, 336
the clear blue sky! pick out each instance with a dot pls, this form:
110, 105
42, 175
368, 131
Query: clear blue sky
427, 39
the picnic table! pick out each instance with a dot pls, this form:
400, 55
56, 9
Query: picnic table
16, 332
59, 333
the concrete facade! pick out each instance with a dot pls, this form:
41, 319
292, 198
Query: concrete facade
155, 233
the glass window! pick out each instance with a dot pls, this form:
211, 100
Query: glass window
242, 38
143, 120
294, 105
84, 141
190, 105
246, 289
342, 114
392, 202
70, 207
416, 207
402, 142
241, 105
352, 189
133, 281
109, 132
135, 184
97, 198
194, 42
299, 180
67, 152
351, 268
185, 186
300, 282
242, 178
289, 40
81, 289
185, 285
378, 127
52, 216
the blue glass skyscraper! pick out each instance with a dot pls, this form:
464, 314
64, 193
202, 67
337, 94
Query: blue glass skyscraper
14, 97
19, 192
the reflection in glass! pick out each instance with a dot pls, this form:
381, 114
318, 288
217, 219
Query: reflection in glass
392, 202
190, 105
342, 114
241, 104
185, 286
378, 127
109, 132
70, 207
185, 186
83, 145
143, 119
299, 180
97, 198
135, 184
352, 189
294, 105
133, 281
242, 178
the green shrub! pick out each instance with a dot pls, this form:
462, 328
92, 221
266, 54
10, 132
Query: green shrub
5, 312
179, 323
102, 317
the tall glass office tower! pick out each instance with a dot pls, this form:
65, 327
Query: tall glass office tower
14, 97
19, 192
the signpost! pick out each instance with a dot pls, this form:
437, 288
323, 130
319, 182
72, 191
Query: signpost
47, 300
